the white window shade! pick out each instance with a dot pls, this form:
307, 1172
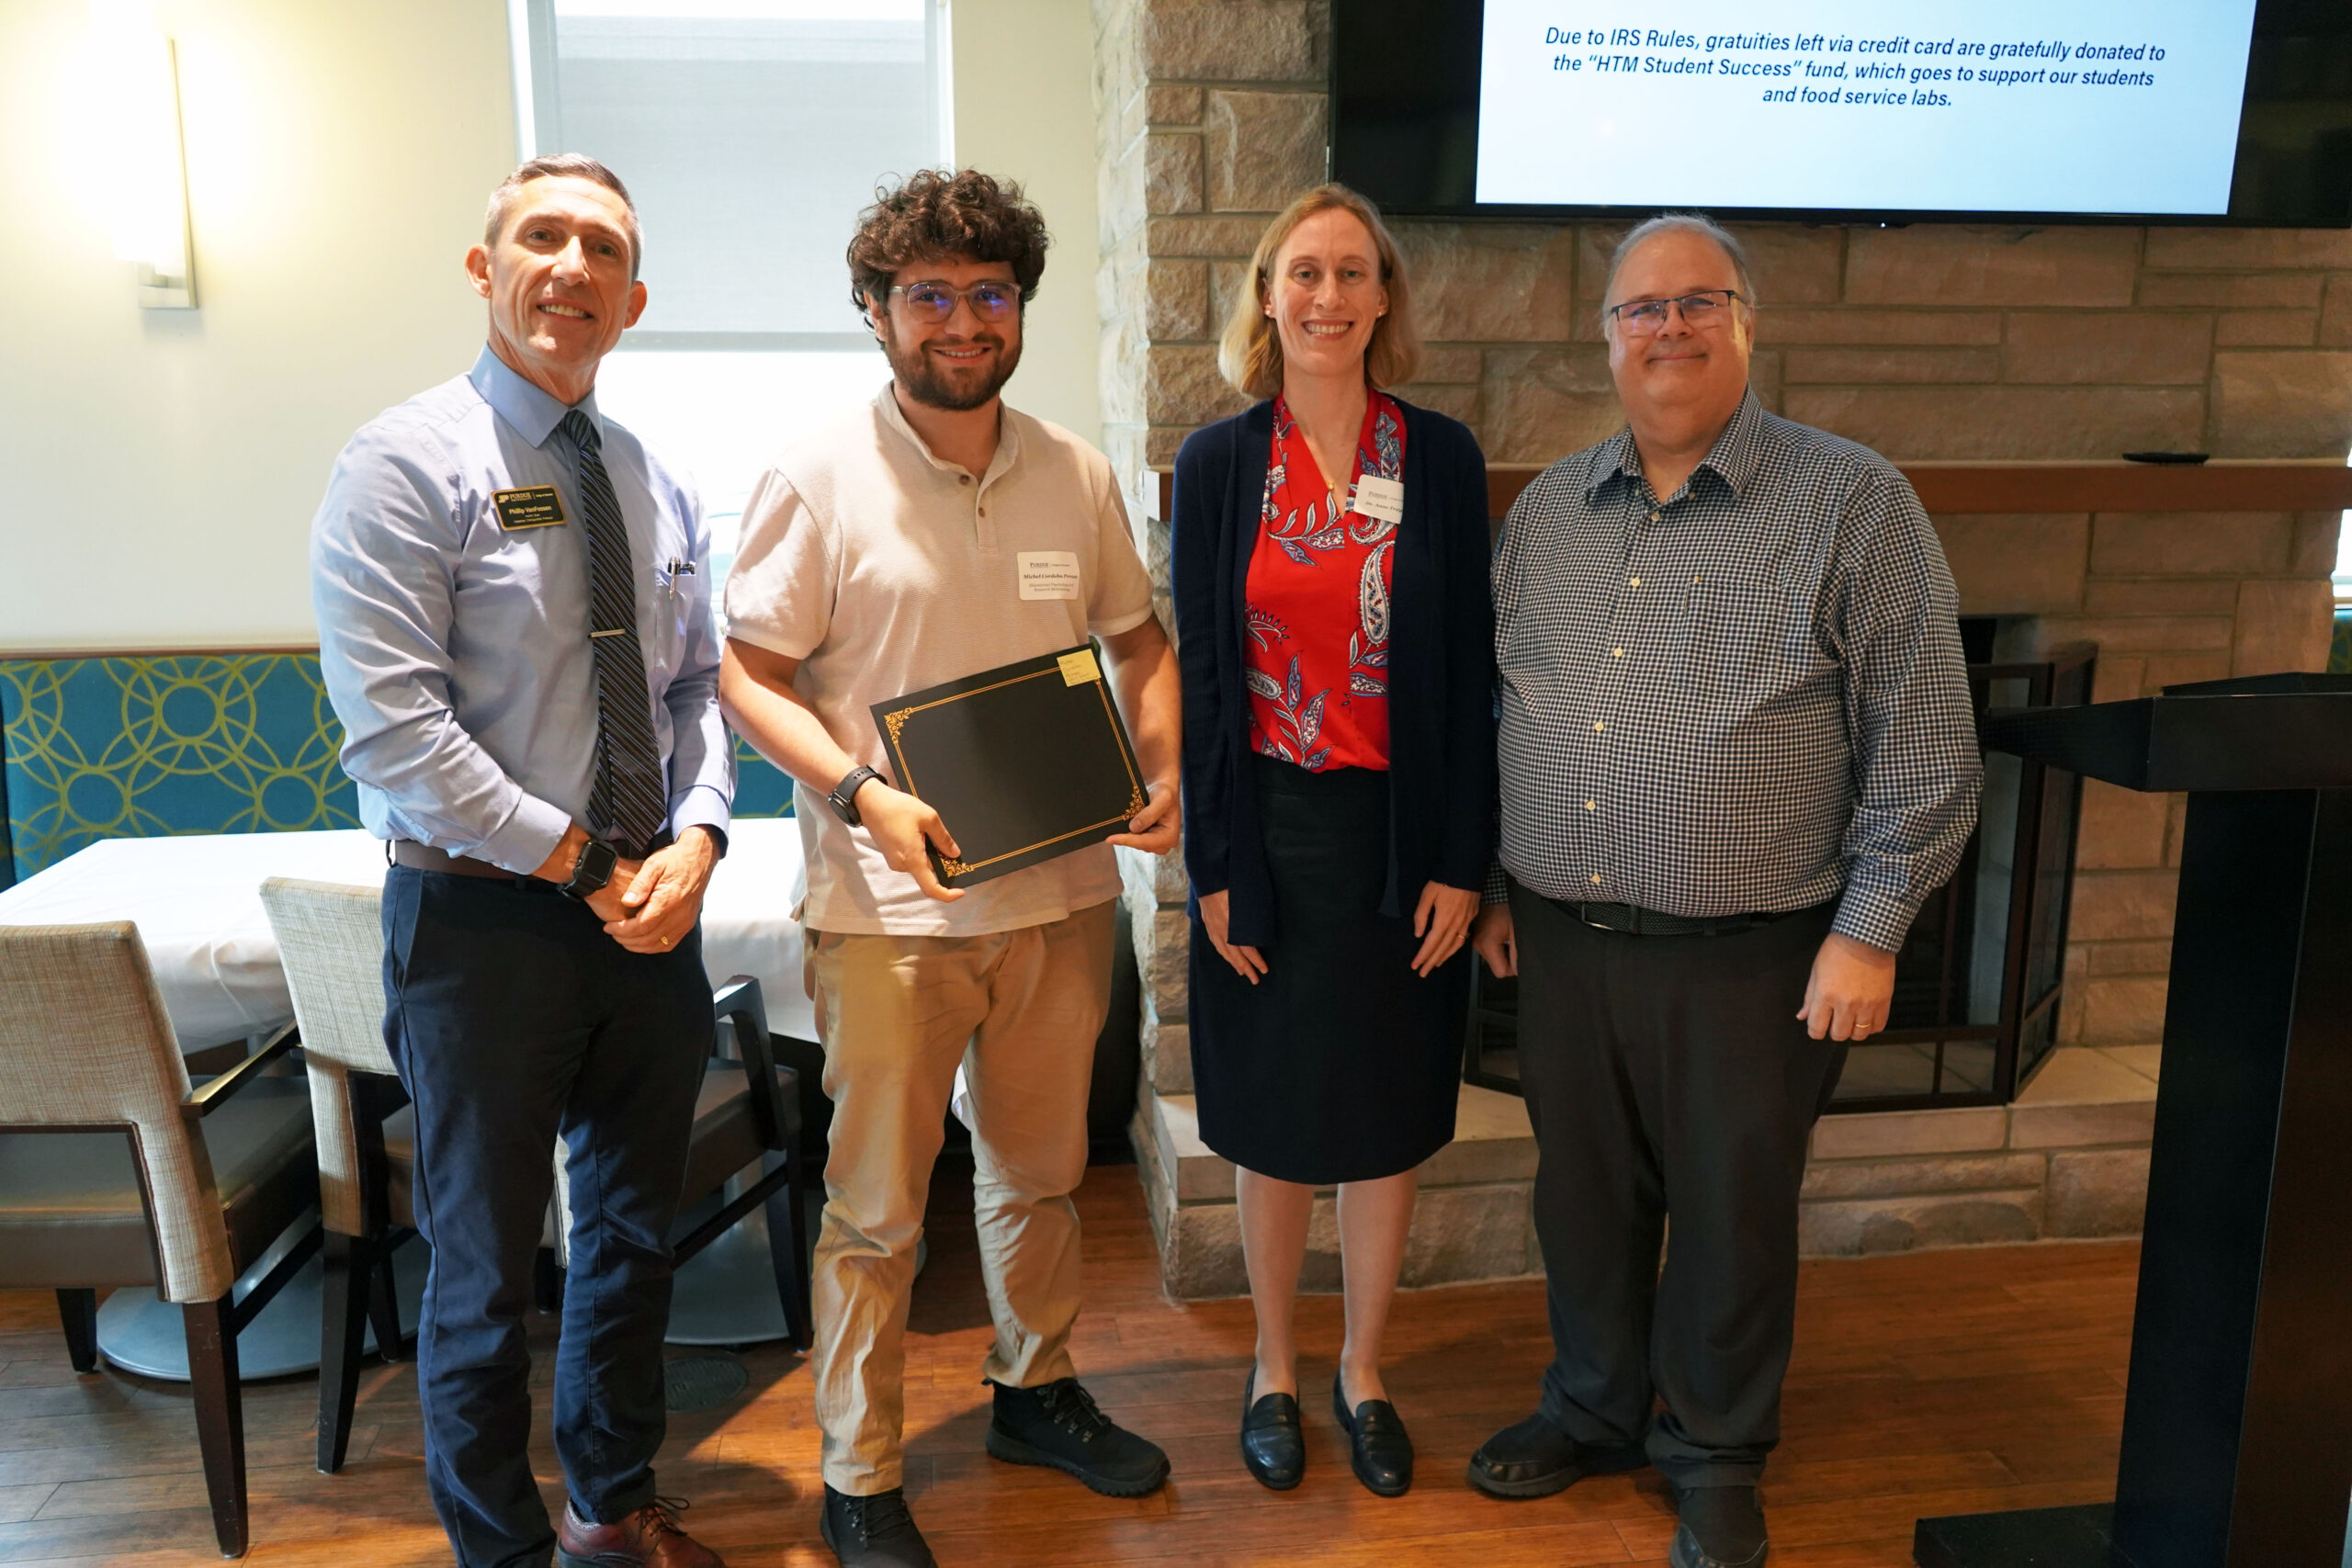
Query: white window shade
751, 132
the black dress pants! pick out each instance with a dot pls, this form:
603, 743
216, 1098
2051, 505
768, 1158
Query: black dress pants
1668, 1077
512, 1018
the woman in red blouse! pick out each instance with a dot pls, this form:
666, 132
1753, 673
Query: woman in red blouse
1330, 578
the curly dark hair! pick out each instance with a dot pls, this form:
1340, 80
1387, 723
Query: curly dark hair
937, 214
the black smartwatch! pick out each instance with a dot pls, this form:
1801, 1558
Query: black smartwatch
843, 800
592, 871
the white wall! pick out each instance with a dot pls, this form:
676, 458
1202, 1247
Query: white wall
158, 470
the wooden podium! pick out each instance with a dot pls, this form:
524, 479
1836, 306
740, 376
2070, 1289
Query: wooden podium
2237, 1422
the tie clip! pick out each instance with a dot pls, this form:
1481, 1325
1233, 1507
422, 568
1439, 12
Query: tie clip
614, 632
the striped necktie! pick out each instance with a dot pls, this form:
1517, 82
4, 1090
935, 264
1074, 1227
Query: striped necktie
628, 803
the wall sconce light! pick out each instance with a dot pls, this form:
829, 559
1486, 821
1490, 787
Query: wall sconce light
139, 127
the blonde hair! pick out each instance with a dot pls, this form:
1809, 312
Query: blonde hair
1250, 352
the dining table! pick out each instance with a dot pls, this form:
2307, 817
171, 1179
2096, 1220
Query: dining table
196, 900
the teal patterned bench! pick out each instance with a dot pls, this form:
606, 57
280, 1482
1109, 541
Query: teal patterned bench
761, 787
143, 745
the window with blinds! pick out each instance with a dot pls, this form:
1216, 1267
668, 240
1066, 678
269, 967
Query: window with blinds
750, 133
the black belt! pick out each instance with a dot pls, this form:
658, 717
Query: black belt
1634, 921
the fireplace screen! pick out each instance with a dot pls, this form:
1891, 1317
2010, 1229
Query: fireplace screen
1976, 985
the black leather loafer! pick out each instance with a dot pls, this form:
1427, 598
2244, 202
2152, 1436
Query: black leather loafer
1535, 1459
1721, 1527
1272, 1446
1379, 1449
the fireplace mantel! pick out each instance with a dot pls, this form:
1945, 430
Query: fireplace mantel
2227, 485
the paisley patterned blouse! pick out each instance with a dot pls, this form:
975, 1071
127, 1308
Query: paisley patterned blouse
1316, 659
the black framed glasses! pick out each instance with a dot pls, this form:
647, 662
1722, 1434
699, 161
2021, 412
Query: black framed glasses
1702, 310
990, 301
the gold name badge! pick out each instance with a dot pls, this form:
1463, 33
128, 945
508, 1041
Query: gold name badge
534, 506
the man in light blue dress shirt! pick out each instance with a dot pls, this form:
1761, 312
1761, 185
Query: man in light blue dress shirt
515, 629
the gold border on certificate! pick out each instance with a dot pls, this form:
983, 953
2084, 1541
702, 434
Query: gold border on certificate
896, 721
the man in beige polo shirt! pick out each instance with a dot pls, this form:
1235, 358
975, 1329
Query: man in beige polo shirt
935, 535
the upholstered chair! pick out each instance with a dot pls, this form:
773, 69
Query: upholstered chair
329, 940
116, 1171
748, 1107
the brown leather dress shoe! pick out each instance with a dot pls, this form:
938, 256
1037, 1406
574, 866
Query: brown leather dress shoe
651, 1537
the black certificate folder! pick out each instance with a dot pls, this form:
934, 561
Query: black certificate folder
1022, 764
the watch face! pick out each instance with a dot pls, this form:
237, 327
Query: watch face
594, 867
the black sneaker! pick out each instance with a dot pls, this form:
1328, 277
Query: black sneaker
1723, 1527
874, 1532
1058, 1424
1535, 1459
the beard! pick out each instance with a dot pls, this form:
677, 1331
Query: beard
922, 378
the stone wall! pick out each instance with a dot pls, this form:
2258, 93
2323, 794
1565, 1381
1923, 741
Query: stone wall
2067, 1162
2167, 597
1932, 341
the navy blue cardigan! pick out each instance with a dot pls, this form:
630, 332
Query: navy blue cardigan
1440, 666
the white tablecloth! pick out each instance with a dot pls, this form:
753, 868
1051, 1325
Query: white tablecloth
197, 901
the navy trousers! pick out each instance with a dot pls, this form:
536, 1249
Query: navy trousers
1667, 1076
512, 1018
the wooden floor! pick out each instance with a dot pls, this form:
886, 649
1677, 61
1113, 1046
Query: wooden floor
1946, 1383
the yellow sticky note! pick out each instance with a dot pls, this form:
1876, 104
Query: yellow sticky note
1079, 668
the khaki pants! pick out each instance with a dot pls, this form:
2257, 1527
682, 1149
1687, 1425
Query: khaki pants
1020, 1010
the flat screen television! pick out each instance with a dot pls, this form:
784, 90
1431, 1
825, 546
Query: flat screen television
2041, 111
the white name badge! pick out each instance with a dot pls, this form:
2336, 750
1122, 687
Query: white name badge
1381, 500
1048, 574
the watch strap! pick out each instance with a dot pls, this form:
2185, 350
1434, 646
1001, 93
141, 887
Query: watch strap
843, 800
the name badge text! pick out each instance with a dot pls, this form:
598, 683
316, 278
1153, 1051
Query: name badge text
534, 506
1048, 574
1380, 500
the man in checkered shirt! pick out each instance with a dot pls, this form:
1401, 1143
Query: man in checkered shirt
1737, 757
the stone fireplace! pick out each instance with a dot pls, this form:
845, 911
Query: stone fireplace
2005, 368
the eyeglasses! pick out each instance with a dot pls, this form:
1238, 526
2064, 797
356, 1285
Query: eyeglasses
992, 301
1699, 311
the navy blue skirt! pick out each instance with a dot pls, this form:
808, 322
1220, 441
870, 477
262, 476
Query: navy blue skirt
1340, 1064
